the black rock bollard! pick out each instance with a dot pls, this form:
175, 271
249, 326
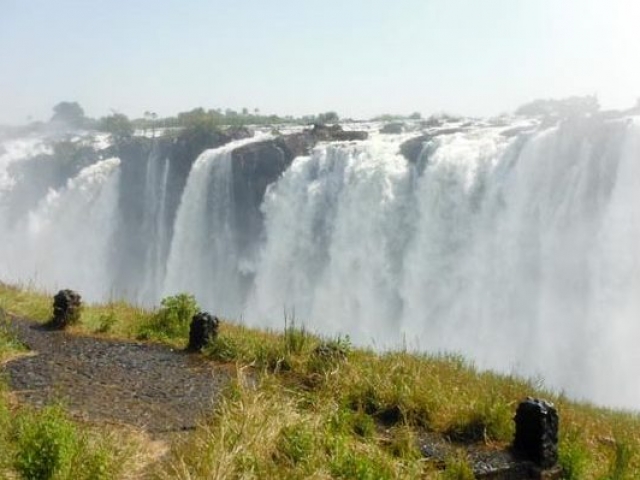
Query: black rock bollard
203, 329
537, 432
67, 306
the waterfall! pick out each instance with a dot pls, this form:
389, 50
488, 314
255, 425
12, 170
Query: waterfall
520, 253
155, 226
336, 225
204, 259
518, 250
65, 241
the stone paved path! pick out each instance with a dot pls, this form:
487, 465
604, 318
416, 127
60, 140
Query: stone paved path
148, 386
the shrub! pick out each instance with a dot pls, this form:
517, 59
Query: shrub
46, 442
173, 318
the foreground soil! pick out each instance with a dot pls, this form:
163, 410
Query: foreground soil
152, 387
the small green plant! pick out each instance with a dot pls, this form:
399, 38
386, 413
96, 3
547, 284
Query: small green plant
328, 354
224, 349
489, 419
46, 442
363, 425
403, 443
350, 463
623, 454
368, 399
294, 444
106, 322
347, 421
172, 320
9, 344
295, 339
572, 456
457, 468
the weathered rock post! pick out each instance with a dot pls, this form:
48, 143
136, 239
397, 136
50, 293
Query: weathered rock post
67, 306
536, 436
203, 330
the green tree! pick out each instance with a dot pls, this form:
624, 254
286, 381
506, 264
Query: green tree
70, 113
118, 125
328, 117
565, 107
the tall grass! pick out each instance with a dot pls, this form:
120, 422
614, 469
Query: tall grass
303, 406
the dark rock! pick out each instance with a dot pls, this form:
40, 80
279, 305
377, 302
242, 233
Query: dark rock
412, 148
536, 436
67, 306
203, 330
335, 133
393, 128
257, 165
238, 133
451, 131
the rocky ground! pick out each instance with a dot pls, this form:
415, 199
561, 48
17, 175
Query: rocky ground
152, 387
164, 391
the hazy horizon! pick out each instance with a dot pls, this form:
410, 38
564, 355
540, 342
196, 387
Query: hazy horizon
359, 58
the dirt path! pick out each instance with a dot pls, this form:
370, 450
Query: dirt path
147, 386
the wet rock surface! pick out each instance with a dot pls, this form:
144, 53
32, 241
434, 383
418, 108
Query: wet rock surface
147, 386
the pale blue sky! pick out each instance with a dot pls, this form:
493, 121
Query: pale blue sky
358, 57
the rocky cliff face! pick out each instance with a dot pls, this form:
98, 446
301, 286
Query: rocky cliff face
257, 165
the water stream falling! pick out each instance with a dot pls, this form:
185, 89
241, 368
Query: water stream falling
520, 251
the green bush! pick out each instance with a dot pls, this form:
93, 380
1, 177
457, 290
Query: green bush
172, 320
46, 443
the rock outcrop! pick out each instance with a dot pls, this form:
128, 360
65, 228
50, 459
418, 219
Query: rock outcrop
67, 306
536, 436
393, 128
257, 165
412, 148
203, 330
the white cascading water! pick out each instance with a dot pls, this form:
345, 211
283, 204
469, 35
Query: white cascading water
155, 226
519, 251
65, 241
14, 151
203, 259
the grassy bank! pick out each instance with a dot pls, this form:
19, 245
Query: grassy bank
303, 406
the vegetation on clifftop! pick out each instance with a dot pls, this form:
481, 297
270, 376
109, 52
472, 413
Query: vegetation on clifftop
304, 406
